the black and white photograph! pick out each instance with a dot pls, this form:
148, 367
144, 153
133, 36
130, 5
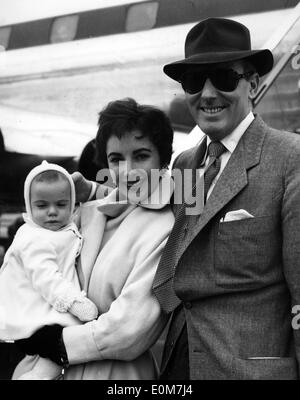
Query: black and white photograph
149, 193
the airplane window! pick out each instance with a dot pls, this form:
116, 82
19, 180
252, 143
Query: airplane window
141, 16
64, 29
4, 36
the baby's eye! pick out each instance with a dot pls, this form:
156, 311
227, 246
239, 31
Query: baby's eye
40, 205
62, 205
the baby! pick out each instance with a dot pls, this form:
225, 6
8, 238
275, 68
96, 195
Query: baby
38, 279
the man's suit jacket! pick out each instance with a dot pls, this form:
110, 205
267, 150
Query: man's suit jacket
238, 280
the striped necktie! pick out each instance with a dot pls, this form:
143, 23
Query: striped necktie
215, 150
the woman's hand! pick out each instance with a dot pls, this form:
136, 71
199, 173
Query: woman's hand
83, 187
46, 342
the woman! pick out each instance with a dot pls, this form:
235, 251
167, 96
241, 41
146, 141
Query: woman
124, 235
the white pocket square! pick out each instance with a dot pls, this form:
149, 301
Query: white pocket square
264, 358
236, 215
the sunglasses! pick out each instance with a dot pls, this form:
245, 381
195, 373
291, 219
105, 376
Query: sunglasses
225, 80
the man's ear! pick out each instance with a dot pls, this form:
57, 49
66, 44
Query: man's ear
254, 82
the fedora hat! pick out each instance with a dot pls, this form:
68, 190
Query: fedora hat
217, 40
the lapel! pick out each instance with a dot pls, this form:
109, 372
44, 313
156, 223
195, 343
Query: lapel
92, 228
199, 154
233, 179
192, 163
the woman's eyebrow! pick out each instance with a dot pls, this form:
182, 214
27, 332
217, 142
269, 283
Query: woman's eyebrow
113, 153
142, 149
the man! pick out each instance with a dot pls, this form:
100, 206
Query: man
232, 273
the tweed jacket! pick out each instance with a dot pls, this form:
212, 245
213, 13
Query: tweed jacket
239, 279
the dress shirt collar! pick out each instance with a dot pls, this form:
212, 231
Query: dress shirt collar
230, 141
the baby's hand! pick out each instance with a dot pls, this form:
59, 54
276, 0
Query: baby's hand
84, 309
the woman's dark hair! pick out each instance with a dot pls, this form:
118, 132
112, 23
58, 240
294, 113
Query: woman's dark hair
122, 116
86, 163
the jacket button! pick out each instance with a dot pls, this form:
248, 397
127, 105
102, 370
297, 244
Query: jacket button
187, 304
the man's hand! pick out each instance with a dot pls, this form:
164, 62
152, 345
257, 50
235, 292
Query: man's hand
83, 187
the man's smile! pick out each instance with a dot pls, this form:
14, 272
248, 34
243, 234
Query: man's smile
212, 110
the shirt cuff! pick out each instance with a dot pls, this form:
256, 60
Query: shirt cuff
93, 191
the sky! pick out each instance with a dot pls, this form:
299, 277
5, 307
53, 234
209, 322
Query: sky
15, 11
